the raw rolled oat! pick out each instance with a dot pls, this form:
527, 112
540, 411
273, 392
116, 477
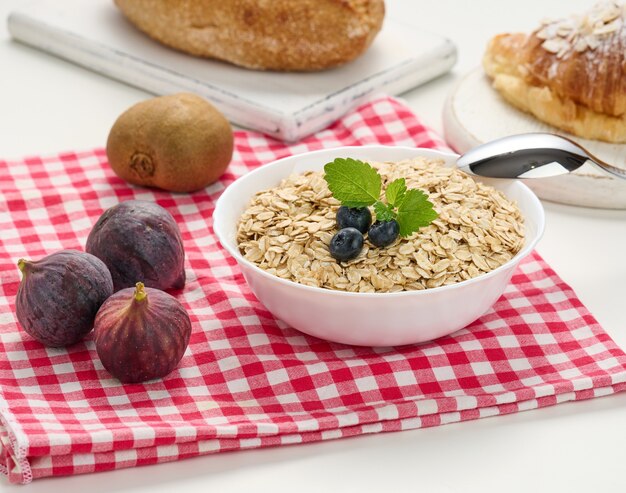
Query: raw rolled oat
286, 231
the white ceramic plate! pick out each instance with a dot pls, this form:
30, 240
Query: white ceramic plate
475, 113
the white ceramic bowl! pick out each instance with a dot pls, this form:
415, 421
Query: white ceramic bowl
369, 319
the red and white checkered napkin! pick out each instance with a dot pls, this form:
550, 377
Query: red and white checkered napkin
247, 380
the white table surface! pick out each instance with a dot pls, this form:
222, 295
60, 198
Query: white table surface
49, 105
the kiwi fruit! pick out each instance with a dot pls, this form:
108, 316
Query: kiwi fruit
178, 142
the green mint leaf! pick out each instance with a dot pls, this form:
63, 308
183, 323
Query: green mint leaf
395, 192
384, 212
415, 212
353, 182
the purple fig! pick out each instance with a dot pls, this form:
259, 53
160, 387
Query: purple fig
60, 294
141, 333
139, 240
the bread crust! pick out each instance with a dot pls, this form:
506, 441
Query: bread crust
581, 92
285, 35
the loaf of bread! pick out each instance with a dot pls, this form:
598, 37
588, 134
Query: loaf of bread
569, 73
287, 35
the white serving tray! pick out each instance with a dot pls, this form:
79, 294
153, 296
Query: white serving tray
288, 106
475, 113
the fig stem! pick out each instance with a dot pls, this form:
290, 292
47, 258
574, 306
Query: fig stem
140, 292
21, 264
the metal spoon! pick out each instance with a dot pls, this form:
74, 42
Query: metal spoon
532, 155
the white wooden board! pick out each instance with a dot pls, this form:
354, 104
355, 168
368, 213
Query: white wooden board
475, 113
288, 106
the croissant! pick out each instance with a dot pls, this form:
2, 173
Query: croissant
569, 73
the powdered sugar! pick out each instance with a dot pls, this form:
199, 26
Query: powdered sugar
582, 32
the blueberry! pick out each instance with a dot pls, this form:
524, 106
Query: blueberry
352, 217
383, 234
346, 244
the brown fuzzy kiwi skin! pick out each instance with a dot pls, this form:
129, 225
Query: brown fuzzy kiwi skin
179, 143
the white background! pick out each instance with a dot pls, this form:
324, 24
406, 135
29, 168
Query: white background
49, 105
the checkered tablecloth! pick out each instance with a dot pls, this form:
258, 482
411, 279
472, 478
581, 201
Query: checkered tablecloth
247, 380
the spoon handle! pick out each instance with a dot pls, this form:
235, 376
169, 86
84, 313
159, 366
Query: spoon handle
608, 168
598, 163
